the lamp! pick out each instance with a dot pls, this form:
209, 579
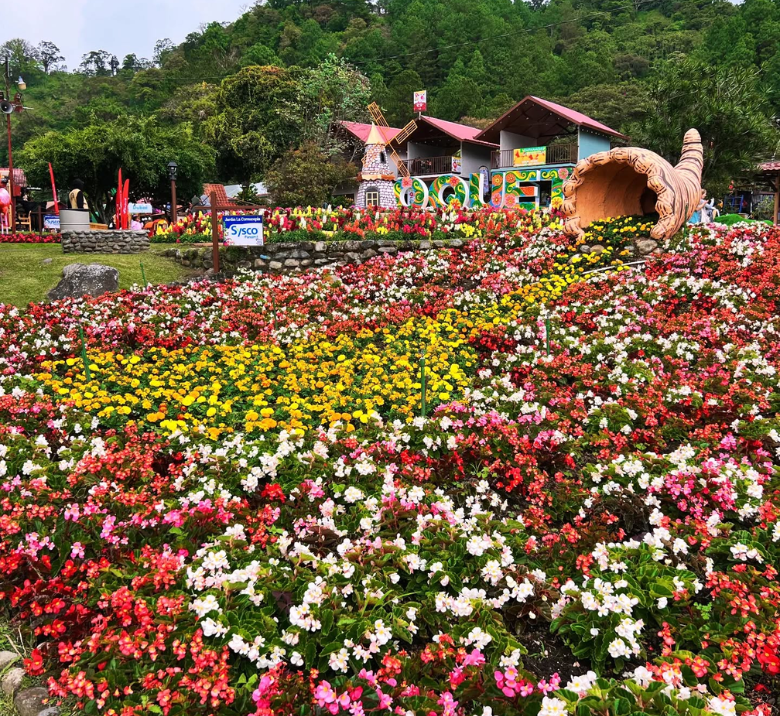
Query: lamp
21, 84
173, 169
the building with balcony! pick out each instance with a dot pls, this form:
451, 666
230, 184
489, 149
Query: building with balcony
539, 142
437, 147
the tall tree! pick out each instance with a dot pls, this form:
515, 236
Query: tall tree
329, 94
306, 176
49, 56
254, 122
139, 146
96, 63
726, 105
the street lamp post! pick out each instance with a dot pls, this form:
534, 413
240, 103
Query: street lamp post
173, 168
16, 106
10, 152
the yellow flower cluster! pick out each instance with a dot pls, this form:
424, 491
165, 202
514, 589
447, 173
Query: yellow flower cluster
266, 387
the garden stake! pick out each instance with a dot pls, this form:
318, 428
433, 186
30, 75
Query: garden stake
84, 354
273, 314
143, 275
422, 380
547, 334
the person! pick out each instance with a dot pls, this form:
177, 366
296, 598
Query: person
710, 212
76, 199
5, 205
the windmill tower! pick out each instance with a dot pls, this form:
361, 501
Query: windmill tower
377, 178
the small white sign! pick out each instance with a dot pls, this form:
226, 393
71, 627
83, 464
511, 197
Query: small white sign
51, 223
141, 208
245, 230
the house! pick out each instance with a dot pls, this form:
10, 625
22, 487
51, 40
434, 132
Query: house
539, 142
437, 147
522, 159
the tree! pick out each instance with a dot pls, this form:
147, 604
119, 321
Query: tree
96, 63
49, 56
725, 104
162, 48
400, 95
254, 122
139, 146
306, 176
259, 54
132, 64
21, 54
329, 94
619, 106
459, 96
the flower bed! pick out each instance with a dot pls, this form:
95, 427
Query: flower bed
351, 224
241, 502
25, 238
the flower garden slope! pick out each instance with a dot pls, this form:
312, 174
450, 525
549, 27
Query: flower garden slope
618, 496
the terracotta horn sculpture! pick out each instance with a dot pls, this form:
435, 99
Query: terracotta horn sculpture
628, 180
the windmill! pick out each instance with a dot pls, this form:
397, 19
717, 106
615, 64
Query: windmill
379, 119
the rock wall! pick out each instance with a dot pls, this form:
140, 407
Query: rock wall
299, 255
104, 242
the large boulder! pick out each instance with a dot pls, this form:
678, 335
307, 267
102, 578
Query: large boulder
85, 279
30, 702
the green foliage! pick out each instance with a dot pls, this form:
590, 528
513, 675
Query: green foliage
328, 94
140, 146
306, 176
253, 125
726, 104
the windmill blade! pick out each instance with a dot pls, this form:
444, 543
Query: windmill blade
403, 170
376, 115
405, 132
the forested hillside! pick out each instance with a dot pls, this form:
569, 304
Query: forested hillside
648, 68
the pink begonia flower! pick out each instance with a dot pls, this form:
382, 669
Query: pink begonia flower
325, 696
368, 676
475, 658
384, 700
77, 551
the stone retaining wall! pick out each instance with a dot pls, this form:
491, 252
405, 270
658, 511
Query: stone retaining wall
295, 256
104, 242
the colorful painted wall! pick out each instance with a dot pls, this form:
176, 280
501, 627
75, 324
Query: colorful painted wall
507, 188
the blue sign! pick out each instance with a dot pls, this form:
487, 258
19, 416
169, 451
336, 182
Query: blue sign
51, 222
246, 230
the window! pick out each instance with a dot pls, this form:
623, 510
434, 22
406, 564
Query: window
372, 196
382, 157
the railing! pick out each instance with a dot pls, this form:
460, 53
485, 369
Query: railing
555, 154
431, 165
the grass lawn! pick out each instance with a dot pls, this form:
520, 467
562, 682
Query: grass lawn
24, 277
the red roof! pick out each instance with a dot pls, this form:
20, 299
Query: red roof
576, 117
570, 116
361, 130
219, 190
770, 167
459, 132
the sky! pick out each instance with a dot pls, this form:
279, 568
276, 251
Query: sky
117, 26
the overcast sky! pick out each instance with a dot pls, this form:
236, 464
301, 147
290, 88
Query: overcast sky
118, 26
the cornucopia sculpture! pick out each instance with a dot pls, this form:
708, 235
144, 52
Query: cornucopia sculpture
628, 180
